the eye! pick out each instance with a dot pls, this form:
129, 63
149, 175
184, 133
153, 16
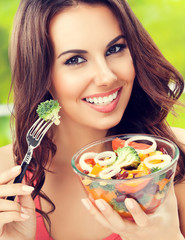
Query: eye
75, 60
115, 49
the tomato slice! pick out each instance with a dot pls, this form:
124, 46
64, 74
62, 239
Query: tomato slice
117, 142
90, 161
139, 145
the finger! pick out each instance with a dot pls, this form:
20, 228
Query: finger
9, 175
96, 214
8, 217
112, 216
140, 217
7, 206
27, 202
15, 189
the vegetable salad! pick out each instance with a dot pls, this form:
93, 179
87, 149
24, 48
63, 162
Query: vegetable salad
126, 172
128, 159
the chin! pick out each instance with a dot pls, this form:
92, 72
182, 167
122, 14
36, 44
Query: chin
107, 124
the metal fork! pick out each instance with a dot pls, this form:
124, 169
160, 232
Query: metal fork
34, 137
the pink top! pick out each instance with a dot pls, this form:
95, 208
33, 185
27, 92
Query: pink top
42, 233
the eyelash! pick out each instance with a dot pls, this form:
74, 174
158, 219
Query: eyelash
75, 59
120, 46
72, 60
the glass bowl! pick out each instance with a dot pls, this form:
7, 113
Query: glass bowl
149, 190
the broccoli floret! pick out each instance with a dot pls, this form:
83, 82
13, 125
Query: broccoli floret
127, 157
49, 110
155, 169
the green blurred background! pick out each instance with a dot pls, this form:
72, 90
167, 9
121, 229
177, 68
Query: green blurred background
164, 20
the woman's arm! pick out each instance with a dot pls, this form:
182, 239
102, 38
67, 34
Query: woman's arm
180, 188
180, 135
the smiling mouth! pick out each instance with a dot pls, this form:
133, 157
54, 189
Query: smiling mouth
101, 101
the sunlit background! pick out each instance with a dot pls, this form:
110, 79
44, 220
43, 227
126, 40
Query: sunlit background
164, 20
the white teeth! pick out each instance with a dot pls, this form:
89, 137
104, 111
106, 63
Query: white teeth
103, 101
110, 98
100, 100
95, 100
115, 95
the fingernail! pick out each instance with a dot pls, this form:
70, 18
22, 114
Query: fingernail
16, 168
24, 210
27, 188
24, 216
100, 204
129, 203
87, 203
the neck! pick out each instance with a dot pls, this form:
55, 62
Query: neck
69, 138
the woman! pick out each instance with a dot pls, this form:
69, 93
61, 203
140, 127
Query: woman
96, 59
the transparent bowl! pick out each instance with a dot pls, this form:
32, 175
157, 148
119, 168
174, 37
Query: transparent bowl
149, 190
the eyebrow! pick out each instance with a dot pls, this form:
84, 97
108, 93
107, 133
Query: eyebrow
79, 51
115, 40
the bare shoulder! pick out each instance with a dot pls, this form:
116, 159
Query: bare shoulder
6, 157
180, 135
180, 187
180, 195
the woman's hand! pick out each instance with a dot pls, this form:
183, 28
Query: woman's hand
17, 219
161, 225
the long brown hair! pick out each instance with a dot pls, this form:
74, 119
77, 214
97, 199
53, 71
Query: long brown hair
32, 56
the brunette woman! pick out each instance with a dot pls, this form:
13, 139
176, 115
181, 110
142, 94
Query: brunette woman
74, 51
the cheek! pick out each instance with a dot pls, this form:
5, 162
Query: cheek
68, 86
124, 70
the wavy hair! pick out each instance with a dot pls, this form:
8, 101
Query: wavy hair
32, 56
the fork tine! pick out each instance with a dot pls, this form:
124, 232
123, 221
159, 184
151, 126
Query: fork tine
45, 124
39, 130
39, 138
35, 126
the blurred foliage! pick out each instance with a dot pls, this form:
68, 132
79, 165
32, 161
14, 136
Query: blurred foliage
163, 19
7, 12
179, 119
5, 136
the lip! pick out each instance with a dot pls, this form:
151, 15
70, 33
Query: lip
103, 94
109, 107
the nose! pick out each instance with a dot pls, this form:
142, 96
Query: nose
103, 74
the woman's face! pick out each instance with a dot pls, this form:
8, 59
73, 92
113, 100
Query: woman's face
93, 72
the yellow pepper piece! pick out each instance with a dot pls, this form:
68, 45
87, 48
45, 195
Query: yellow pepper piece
143, 170
130, 175
142, 167
96, 169
156, 153
143, 173
143, 156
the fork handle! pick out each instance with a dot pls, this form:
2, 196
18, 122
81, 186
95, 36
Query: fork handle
24, 166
